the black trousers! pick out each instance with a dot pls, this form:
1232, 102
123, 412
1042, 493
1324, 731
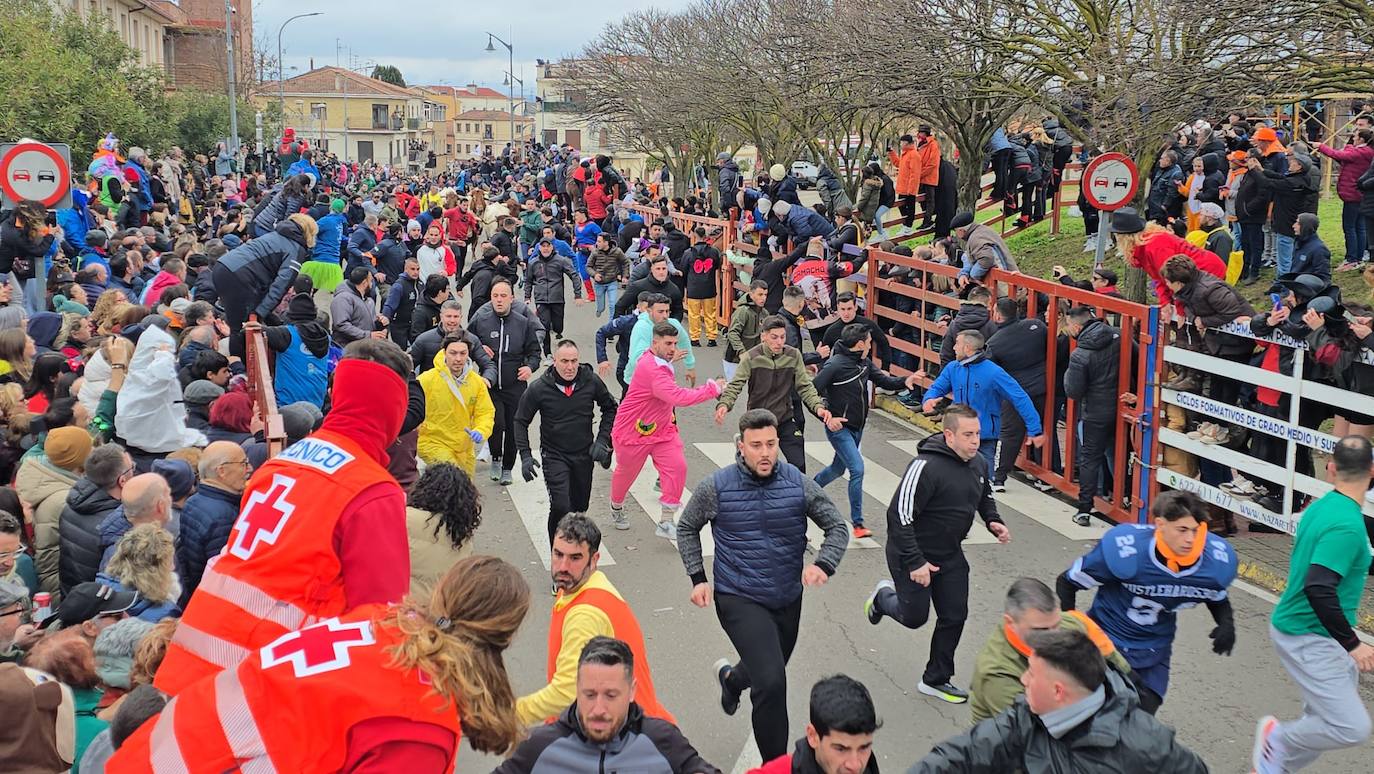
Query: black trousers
927, 205
1013, 435
792, 442
1092, 460
1001, 178
237, 301
502, 442
1252, 246
551, 317
906, 204
763, 638
909, 605
1091, 216
568, 478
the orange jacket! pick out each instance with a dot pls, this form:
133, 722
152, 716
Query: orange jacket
908, 170
289, 707
279, 571
930, 161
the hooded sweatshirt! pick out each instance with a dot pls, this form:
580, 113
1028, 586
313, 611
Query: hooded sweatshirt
1293, 195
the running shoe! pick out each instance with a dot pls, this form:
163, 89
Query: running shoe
505, 478
1268, 753
946, 691
495, 470
666, 530
729, 700
871, 604
861, 531
999, 488
618, 518
1043, 486
1083, 519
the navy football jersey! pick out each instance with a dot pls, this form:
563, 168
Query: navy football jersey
1138, 597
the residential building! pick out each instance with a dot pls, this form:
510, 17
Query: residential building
563, 117
474, 97
491, 129
361, 118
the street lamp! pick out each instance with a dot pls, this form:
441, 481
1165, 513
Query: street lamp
281, 82
511, 50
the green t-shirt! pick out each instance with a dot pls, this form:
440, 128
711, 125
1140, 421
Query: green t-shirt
1331, 534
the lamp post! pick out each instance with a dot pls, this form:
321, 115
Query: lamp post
233, 95
281, 82
511, 80
511, 50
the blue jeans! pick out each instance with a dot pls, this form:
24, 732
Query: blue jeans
988, 448
1283, 253
580, 263
606, 293
1356, 239
878, 218
846, 443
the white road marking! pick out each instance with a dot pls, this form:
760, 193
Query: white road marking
1024, 499
642, 490
879, 483
749, 757
531, 500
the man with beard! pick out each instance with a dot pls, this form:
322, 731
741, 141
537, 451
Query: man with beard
424, 347
587, 607
563, 396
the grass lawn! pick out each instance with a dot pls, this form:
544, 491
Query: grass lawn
1037, 251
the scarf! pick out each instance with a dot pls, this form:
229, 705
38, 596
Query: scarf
1176, 562
1065, 719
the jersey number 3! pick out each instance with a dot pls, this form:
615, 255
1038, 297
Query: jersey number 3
1144, 611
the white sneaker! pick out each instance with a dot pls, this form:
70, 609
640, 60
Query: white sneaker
1267, 757
618, 518
1090, 245
666, 530
999, 488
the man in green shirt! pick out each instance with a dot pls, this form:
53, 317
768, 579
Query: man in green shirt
1313, 623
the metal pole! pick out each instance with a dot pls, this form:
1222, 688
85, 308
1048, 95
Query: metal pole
281, 81
511, 50
233, 96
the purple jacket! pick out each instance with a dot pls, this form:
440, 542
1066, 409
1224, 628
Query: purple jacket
1355, 161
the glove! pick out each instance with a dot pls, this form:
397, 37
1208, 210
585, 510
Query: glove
1223, 639
475, 436
528, 466
601, 453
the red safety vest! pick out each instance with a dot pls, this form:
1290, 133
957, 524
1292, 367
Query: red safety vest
290, 706
278, 572
626, 629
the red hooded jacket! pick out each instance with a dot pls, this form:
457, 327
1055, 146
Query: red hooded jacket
1151, 254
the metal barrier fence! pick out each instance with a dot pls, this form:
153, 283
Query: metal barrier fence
1288, 428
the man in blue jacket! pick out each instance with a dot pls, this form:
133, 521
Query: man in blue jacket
210, 513
978, 382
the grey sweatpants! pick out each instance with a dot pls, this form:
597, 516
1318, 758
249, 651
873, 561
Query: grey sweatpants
1333, 715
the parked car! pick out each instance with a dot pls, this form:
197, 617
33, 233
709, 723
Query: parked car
806, 173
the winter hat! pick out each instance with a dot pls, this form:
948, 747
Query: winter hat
1237, 157
781, 208
301, 309
38, 713
1212, 210
299, 420
114, 650
67, 447
43, 327
337, 205
179, 305
178, 475
777, 172
231, 240
63, 305
202, 392
961, 220
723, 156
1265, 133
1127, 221
1108, 276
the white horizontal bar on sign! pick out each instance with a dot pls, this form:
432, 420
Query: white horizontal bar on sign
1220, 499
1243, 330
1317, 488
1240, 371
1246, 464
1252, 420
1341, 399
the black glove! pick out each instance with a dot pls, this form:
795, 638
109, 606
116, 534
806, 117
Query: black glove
1223, 639
528, 466
601, 453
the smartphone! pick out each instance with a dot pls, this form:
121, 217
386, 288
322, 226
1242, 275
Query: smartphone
1277, 299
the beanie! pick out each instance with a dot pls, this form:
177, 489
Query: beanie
67, 447
337, 205
114, 650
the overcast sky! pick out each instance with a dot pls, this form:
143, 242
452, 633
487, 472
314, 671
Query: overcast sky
436, 42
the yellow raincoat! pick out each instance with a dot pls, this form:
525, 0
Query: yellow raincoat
452, 407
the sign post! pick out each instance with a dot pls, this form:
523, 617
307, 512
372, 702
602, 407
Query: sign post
1109, 183
33, 170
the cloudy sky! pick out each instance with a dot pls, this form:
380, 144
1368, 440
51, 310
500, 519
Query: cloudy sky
433, 41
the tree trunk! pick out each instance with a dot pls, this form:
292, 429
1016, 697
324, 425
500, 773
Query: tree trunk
1133, 285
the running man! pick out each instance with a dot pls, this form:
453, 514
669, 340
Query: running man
758, 509
645, 427
1144, 574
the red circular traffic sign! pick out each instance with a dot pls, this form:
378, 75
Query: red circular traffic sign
1109, 181
32, 170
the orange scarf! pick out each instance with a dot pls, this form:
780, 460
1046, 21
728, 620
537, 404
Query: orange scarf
1176, 563
1100, 639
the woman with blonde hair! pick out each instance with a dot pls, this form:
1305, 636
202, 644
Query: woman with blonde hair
144, 561
108, 307
397, 685
17, 353
1147, 246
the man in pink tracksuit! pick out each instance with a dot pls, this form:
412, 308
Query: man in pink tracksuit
645, 427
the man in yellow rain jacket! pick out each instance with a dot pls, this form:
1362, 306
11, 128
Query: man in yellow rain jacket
459, 413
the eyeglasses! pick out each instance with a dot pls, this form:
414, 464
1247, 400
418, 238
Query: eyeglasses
25, 616
15, 554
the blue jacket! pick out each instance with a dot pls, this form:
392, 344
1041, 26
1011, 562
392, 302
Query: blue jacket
206, 521
362, 240
999, 141
982, 384
143, 194
620, 327
804, 223
111, 530
303, 167
559, 247
760, 534
1311, 256
330, 238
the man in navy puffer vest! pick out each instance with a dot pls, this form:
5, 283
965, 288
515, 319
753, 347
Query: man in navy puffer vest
758, 509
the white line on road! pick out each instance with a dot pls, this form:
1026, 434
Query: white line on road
643, 492
879, 483
749, 757
1024, 499
531, 500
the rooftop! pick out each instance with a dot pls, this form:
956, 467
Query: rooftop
491, 115
328, 80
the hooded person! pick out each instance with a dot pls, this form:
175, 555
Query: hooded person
254, 277
43, 483
44, 328
39, 732
1310, 253
302, 347
323, 528
459, 413
150, 415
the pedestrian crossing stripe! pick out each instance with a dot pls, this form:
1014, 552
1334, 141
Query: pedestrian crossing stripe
1046, 510
531, 501
642, 490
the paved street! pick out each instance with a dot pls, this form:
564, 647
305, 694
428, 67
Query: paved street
1213, 702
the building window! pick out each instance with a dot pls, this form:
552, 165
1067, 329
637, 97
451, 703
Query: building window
380, 117
486, 132
318, 111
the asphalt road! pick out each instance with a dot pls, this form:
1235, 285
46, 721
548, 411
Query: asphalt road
1213, 701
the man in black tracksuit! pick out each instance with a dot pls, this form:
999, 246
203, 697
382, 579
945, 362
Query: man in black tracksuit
658, 281
482, 273
563, 397
1092, 380
512, 340
544, 284
1019, 347
930, 514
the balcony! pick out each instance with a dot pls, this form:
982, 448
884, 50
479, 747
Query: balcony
564, 107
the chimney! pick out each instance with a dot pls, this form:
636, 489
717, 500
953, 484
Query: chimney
312, 63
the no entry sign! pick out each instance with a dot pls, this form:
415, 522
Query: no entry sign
1109, 181
35, 170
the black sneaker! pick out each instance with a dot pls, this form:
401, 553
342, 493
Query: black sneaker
871, 610
711, 343
729, 700
1083, 518
945, 691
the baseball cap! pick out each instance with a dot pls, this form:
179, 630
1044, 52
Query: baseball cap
11, 593
90, 600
